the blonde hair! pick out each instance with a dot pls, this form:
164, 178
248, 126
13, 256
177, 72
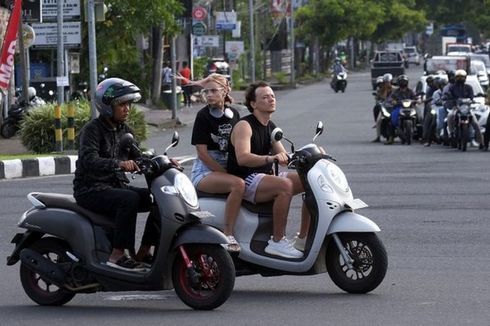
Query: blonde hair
222, 81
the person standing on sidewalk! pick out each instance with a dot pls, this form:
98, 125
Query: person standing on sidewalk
210, 135
185, 72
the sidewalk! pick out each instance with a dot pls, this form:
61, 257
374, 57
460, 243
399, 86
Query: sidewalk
41, 166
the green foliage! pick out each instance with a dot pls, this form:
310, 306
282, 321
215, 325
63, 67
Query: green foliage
281, 77
199, 67
38, 132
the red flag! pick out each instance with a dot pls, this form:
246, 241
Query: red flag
8, 46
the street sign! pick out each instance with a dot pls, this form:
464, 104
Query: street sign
47, 34
199, 29
225, 20
199, 13
71, 10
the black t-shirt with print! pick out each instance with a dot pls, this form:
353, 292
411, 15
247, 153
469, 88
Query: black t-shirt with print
211, 131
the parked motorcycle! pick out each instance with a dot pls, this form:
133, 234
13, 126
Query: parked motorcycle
17, 111
340, 241
64, 248
339, 82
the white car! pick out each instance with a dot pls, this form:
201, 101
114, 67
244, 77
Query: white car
478, 69
412, 55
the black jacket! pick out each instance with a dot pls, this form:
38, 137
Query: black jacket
99, 156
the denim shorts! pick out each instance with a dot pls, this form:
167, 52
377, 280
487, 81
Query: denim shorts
201, 170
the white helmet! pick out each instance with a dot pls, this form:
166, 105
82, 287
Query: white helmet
31, 93
114, 91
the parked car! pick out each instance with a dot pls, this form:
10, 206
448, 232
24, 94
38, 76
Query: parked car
219, 66
412, 55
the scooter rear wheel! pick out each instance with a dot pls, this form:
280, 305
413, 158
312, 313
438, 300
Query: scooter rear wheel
210, 280
369, 266
8, 129
40, 291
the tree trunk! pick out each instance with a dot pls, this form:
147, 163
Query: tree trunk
157, 64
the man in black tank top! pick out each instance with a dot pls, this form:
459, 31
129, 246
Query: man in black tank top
251, 154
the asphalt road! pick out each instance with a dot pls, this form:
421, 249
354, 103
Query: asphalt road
432, 205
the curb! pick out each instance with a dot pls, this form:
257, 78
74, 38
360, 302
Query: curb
36, 167
45, 166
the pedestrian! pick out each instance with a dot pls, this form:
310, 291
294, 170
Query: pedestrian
166, 77
185, 72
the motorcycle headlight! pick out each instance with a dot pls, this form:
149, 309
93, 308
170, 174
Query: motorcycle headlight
337, 177
183, 186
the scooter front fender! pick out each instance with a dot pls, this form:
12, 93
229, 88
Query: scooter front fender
200, 233
351, 222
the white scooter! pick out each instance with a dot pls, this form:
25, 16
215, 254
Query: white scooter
339, 240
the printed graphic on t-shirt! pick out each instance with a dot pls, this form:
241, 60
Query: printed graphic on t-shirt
221, 139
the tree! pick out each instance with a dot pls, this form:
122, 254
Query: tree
125, 21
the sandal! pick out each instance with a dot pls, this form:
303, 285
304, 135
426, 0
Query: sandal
128, 264
232, 243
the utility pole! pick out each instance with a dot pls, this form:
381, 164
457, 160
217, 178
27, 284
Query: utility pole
293, 81
252, 40
60, 54
92, 55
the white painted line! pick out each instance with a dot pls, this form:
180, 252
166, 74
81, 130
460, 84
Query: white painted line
13, 168
138, 297
46, 165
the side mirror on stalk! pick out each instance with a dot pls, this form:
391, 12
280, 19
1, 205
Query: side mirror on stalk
278, 135
175, 141
127, 142
319, 130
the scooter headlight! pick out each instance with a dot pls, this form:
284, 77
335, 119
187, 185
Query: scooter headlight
183, 186
337, 177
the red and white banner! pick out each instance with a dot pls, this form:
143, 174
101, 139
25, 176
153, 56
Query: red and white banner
8, 46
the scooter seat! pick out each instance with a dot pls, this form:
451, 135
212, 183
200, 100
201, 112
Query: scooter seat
69, 202
263, 208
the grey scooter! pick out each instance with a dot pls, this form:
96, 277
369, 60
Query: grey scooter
64, 247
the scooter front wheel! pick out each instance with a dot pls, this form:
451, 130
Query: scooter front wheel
41, 291
208, 283
369, 262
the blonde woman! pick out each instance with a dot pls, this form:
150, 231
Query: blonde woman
210, 135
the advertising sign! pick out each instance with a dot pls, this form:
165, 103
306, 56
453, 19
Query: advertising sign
31, 11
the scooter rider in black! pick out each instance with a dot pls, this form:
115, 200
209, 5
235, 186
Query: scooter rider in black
399, 94
461, 90
100, 183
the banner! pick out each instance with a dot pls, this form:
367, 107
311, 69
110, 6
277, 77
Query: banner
8, 46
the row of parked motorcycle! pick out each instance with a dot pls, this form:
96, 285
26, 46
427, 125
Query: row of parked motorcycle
426, 121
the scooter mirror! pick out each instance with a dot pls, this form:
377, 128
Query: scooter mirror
277, 134
175, 139
126, 141
319, 128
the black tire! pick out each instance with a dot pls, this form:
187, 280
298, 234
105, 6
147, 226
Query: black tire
370, 262
40, 291
9, 129
215, 281
408, 131
464, 137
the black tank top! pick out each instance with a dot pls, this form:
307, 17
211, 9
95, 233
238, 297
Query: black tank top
260, 144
